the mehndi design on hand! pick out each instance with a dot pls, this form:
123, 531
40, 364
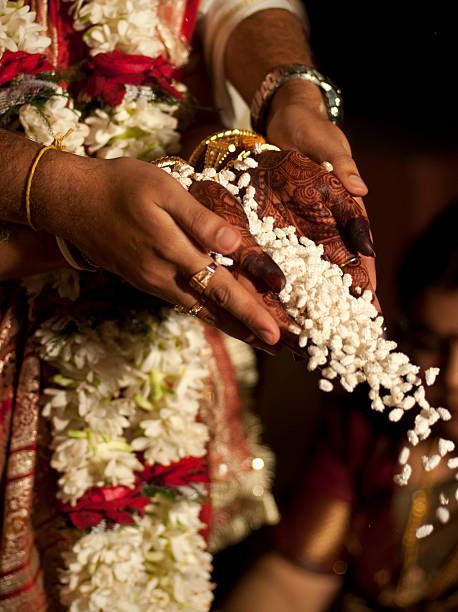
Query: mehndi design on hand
249, 259
294, 190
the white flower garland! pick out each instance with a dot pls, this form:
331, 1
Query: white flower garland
119, 392
18, 29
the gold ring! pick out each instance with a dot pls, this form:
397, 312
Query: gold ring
353, 260
180, 309
195, 309
200, 280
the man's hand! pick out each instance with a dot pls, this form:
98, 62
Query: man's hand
136, 221
298, 120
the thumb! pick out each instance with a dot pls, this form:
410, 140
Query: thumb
208, 229
347, 171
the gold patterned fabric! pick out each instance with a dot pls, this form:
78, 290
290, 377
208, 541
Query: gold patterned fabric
20, 577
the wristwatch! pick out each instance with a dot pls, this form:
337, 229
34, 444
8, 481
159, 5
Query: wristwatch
277, 77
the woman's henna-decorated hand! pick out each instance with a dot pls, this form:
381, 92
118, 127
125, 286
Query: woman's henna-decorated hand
249, 259
252, 267
294, 190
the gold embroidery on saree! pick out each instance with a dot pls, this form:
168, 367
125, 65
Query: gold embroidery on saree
17, 548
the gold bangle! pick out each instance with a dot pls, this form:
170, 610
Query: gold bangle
213, 151
168, 161
28, 187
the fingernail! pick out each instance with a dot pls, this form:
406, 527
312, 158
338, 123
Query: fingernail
268, 336
262, 267
274, 278
227, 238
357, 182
358, 232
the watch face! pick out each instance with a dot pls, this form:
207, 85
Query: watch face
331, 93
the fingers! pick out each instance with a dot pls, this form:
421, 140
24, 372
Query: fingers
251, 317
358, 235
284, 321
286, 324
212, 315
324, 141
349, 214
260, 267
211, 231
249, 257
228, 294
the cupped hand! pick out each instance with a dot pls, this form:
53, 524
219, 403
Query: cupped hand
298, 121
294, 190
254, 270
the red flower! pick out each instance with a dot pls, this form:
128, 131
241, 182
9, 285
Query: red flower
110, 72
13, 63
115, 504
179, 474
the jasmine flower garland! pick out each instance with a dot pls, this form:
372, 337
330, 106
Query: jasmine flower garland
118, 393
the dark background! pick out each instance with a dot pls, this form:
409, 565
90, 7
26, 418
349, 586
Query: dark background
394, 61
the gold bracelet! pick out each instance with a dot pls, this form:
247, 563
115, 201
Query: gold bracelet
168, 161
214, 151
28, 187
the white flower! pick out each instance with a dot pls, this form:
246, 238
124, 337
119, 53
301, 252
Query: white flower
18, 30
65, 281
168, 440
138, 128
92, 460
159, 564
104, 416
57, 119
130, 26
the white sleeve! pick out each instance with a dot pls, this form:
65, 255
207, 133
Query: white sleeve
217, 20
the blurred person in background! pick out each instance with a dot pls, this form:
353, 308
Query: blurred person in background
348, 541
